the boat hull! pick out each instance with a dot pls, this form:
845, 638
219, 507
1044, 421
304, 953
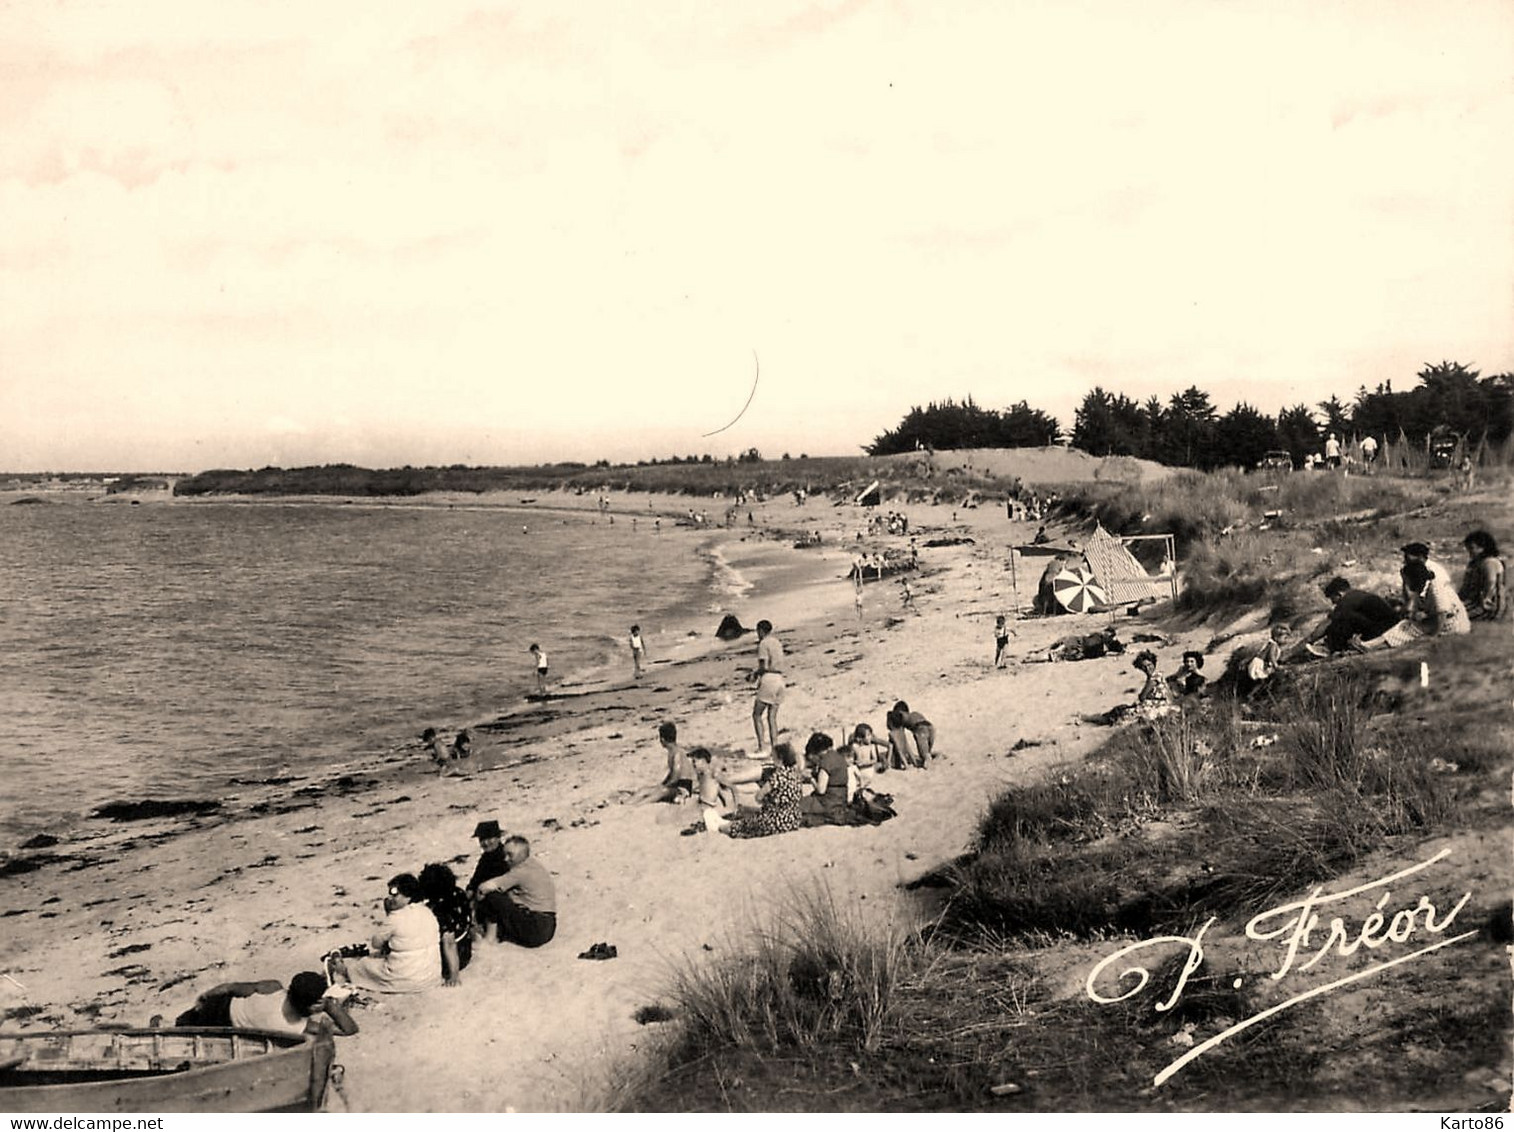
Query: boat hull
176, 1069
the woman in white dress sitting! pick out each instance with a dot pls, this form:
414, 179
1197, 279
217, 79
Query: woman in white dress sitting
1437, 600
405, 955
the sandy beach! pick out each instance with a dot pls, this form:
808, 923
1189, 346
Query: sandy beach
152, 919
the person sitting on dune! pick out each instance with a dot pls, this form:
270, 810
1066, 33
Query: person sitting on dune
1353, 613
1412, 594
404, 956
1188, 680
1483, 588
1153, 701
308, 1006
1435, 598
1257, 672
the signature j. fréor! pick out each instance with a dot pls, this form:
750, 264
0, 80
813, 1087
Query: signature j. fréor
1294, 927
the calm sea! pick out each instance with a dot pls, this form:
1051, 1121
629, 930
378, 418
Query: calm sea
161, 651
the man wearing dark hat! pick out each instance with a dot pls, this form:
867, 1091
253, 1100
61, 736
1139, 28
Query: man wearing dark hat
1417, 552
492, 861
1356, 612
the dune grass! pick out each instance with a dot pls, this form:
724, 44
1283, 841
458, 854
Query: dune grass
1217, 811
1170, 823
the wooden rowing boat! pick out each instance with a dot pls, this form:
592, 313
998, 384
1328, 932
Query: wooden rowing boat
178, 1069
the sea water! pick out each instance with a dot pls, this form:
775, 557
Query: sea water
165, 651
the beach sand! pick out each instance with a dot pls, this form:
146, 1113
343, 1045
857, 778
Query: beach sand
153, 917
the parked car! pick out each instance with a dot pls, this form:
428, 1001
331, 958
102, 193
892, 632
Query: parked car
1277, 461
1442, 447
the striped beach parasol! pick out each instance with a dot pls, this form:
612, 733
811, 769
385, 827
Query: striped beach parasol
1077, 591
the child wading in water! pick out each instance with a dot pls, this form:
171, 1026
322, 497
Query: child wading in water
541, 669
638, 650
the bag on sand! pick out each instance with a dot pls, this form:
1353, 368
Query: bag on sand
875, 809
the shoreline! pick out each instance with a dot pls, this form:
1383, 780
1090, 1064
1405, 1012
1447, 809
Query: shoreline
39, 834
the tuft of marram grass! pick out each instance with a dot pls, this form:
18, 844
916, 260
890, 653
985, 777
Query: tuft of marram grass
815, 971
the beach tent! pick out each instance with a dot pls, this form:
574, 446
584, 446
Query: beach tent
870, 496
1120, 575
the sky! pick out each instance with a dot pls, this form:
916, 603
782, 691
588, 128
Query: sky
287, 233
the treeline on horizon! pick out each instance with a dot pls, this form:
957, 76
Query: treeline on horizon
1185, 431
1188, 431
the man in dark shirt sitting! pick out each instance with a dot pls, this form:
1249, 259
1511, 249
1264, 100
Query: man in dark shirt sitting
492, 861
1356, 612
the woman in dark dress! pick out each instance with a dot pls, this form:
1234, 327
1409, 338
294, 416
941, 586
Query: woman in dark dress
830, 804
454, 912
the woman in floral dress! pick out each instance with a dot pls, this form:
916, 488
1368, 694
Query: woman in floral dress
783, 787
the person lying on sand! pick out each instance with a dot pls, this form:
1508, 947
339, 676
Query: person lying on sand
404, 954
1084, 646
308, 1006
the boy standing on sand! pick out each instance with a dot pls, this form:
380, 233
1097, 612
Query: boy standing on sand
638, 650
770, 684
1001, 639
541, 669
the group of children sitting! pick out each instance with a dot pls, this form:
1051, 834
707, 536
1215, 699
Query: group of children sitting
823, 785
